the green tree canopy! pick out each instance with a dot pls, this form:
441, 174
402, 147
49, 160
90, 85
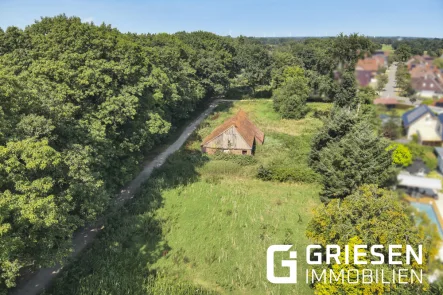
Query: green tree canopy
403, 52
290, 98
373, 216
339, 123
360, 157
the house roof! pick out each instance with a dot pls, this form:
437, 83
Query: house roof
426, 84
363, 77
381, 60
385, 100
243, 125
411, 116
368, 64
423, 70
418, 181
418, 166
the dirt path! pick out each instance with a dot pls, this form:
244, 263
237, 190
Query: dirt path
38, 281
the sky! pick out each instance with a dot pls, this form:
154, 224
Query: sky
409, 18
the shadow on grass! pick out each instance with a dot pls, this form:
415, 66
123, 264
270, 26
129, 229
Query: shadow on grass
120, 259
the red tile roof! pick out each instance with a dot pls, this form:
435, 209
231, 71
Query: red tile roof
368, 64
243, 125
385, 100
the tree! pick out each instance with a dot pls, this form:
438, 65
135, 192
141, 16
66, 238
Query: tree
281, 60
346, 95
438, 62
401, 155
34, 199
391, 129
254, 62
349, 49
382, 80
372, 216
403, 53
339, 123
360, 157
403, 78
290, 98
366, 95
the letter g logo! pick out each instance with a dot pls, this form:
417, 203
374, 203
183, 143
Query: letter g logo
291, 264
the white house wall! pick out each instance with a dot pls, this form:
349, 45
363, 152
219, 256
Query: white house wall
426, 93
426, 121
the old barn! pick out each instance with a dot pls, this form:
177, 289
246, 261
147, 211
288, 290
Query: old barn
237, 135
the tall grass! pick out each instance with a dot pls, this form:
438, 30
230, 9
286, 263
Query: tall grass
202, 224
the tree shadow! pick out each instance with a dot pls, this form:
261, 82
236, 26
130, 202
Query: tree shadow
119, 260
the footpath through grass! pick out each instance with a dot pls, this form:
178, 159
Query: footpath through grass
202, 224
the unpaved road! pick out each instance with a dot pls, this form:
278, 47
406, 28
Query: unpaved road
38, 281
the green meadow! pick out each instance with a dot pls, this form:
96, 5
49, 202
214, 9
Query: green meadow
202, 224
387, 47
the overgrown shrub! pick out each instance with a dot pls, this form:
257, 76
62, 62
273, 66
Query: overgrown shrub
289, 173
426, 153
239, 159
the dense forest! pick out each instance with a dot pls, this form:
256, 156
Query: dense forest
81, 105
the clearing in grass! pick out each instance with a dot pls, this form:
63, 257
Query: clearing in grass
202, 224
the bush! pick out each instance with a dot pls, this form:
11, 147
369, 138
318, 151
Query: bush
289, 173
238, 159
321, 114
401, 155
426, 153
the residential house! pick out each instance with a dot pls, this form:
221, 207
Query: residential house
427, 86
439, 152
426, 79
419, 60
237, 135
421, 121
389, 102
364, 77
419, 186
367, 68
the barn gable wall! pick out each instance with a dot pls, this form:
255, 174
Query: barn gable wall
229, 139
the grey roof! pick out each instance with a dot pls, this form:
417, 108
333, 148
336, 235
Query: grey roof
439, 151
418, 166
415, 114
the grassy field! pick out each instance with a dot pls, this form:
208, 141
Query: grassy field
387, 47
202, 224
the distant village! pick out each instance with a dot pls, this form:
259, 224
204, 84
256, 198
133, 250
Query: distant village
426, 79
410, 109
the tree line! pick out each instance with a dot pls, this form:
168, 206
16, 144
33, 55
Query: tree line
80, 105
